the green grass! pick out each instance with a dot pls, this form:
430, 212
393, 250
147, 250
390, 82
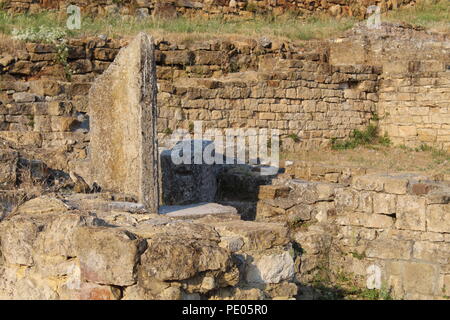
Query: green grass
294, 137
432, 14
427, 13
287, 26
368, 136
346, 286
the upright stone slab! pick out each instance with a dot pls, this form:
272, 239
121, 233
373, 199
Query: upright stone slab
122, 106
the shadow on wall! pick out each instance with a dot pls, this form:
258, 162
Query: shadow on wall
187, 183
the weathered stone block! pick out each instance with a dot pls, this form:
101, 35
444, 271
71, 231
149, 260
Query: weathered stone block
272, 268
45, 87
438, 218
384, 203
179, 57
411, 213
180, 259
367, 202
346, 199
420, 278
108, 255
124, 153
395, 185
378, 221
389, 249
17, 237
433, 252
255, 235
368, 183
265, 211
21, 97
272, 192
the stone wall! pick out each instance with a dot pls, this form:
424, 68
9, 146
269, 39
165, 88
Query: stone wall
205, 8
355, 223
237, 84
311, 91
414, 92
73, 247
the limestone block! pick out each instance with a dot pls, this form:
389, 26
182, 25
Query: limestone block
367, 202
369, 183
434, 252
389, 249
21, 97
438, 218
384, 203
421, 278
108, 255
43, 205
272, 192
395, 185
266, 211
45, 87
210, 57
346, 199
411, 213
178, 57
255, 235
17, 237
122, 105
378, 221
272, 268
199, 210
180, 259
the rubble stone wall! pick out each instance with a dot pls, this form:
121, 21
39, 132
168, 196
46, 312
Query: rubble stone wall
311, 91
396, 224
74, 248
204, 8
238, 84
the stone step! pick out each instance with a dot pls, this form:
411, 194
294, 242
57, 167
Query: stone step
199, 210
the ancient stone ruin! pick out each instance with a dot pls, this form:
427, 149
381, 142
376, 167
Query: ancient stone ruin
122, 109
92, 208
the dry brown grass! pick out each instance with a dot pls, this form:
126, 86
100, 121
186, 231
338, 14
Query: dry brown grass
9, 45
383, 159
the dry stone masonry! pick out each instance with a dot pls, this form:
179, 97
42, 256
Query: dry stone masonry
396, 223
204, 8
53, 248
310, 91
311, 219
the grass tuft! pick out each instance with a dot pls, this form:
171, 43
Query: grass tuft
368, 136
